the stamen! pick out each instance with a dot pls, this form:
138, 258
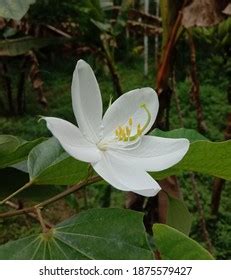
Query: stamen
139, 130
130, 121
124, 133
128, 131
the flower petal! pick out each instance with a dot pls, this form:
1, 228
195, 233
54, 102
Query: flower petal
72, 140
155, 153
86, 101
128, 105
121, 175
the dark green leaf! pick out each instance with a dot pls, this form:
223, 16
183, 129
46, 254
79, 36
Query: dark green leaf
15, 150
108, 234
12, 179
178, 215
48, 163
204, 157
174, 245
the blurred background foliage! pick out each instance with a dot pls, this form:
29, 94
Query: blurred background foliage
38, 54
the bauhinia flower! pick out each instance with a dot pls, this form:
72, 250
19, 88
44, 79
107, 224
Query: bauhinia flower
116, 145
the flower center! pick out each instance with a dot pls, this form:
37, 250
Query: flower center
123, 133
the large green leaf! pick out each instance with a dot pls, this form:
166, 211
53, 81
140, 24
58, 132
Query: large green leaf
48, 163
174, 245
191, 134
94, 234
14, 9
178, 215
14, 149
204, 157
20, 46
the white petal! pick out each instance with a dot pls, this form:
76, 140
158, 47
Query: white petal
156, 153
72, 140
86, 101
121, 175
128, 105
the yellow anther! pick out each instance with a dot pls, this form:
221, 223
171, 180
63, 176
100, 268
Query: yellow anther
124, 133
130, 121
128, 131
139, 130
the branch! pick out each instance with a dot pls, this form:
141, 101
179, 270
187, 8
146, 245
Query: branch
52, 199
32, 215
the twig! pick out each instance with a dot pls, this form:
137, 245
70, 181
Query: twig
40, 218
52, 199
201, 214
32, 215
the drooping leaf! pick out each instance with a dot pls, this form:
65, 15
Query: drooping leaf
212, 158
95, 234
174, 245
14, 9
48, 163
178, 215
20, 46
190, 134
14, 149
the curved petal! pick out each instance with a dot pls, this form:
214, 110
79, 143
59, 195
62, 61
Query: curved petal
86, 101
128, 105
72, 140
155, 153
121, 175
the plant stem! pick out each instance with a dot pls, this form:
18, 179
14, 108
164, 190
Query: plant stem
28, 184
40, 218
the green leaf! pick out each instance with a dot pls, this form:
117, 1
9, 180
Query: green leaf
190, 134
174, 245
178, 215
20, 46
48, 163
108, 234
14, 150
8, 143
205, 157
14, 9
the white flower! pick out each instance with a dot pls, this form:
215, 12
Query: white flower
116, 145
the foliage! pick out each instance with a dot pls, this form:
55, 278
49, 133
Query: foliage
94, 234
174, 245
